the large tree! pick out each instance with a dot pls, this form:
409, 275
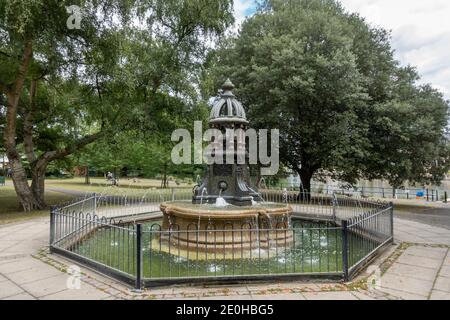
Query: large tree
329, 82
150, 152
70, 87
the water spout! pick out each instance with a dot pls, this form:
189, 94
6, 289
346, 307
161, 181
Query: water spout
285, 196
220, 202
201, 196
259, 195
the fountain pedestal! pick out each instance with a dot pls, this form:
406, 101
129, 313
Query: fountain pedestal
231, 229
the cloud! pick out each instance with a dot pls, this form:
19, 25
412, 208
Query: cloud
420, 34
243, 9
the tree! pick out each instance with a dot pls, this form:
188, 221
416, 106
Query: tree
150, 151
85, 77
329, 82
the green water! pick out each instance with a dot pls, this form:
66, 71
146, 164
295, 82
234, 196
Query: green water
317, 247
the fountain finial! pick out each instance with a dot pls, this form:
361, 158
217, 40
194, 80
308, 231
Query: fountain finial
228, 85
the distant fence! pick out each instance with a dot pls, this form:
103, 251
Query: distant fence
105, 232
428, 194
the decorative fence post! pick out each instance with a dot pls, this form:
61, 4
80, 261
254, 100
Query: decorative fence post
52, 228
391, 204
138, 257
334, 203
445, 196
95, 203
345, 249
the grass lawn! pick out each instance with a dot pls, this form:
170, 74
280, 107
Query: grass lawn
101, 185
10, 210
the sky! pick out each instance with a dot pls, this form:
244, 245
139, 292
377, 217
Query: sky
420, 32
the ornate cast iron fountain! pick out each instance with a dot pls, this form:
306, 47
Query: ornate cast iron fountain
230, 181
246, 221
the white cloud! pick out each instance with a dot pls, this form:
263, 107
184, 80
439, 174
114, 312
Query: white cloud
242, 9
420, 34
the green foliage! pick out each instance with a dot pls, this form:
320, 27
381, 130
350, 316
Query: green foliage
129, 61
330, 83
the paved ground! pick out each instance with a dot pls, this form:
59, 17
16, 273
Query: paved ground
418, 268
431, 215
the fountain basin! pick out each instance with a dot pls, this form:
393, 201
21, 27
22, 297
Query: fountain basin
227, 229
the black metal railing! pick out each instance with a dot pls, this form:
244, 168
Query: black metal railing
408, 193
335, 237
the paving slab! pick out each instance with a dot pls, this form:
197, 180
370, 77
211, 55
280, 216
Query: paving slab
427, 252
74, 294
182, 298
296, 286
227, 298
442, 284
439, 295
415, 272
402, 295
280, 296
420, 261
47, 286
445, 271
407, 284
369, 295
335, 295
20, 265
34, 274
21, 296
2, 278
8, 289
362, 296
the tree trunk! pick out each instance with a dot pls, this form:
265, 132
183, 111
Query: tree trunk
87, 180
18, 174
38, 184
23, 190
164, 180
305, 186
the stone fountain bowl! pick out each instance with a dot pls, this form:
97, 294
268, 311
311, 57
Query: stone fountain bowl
208, 228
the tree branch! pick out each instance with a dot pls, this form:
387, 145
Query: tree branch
77, 145
13, 96
28, 125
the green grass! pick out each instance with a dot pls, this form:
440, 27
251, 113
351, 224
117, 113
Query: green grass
100, 184
10, 209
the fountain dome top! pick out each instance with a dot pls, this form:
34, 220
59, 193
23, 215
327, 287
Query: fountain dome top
227, 108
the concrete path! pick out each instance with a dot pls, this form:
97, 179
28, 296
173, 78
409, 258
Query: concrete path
417, 269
